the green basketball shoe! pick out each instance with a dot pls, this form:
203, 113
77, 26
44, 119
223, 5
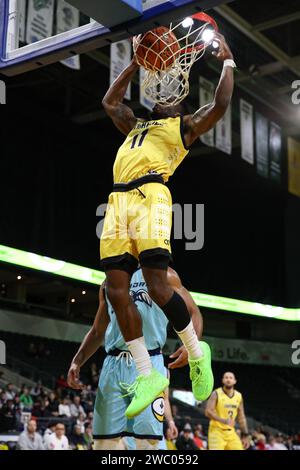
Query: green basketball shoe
145, 389
201, 374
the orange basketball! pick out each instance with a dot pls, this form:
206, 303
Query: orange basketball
157, 49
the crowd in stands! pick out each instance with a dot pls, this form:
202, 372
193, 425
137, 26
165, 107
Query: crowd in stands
46, 419
62, 420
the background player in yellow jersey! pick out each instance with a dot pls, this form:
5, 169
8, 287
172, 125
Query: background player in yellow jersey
137, 226
223, 408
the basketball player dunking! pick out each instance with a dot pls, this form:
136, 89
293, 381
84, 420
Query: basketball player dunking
224, 406
137, 226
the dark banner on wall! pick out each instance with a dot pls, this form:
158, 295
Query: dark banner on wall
262, 145
275, 144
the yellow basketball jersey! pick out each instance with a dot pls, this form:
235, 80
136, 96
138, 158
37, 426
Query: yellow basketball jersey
226, 407
151, 147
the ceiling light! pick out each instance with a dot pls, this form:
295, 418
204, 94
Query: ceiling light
187, 22
208, 35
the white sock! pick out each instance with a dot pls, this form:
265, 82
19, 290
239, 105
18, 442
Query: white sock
189, 338
140, 355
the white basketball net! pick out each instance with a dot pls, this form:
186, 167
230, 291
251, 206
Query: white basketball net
170, 86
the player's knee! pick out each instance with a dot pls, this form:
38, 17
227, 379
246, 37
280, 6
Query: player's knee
159, 292
109, 444
146, 444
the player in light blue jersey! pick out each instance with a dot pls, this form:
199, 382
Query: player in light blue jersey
119, 370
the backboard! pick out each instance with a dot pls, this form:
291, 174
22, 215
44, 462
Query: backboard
34, 33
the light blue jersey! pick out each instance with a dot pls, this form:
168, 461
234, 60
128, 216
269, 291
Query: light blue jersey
111, 402
154, 320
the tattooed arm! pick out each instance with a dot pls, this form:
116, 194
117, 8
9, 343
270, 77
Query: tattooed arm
121, 115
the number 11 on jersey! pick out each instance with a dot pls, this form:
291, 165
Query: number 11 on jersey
141, 140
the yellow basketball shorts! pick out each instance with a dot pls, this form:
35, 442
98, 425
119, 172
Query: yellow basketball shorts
219, 439
137, 226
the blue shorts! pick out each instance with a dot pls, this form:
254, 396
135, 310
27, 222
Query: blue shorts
109, 412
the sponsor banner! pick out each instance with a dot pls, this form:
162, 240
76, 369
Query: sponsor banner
206, 95
275, 145
120, 57
294, 166
247, 141
243, 351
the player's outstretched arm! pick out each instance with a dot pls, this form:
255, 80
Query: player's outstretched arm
206, 117
90, 344
122, 116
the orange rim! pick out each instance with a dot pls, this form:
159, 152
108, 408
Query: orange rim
201, 16
205, 18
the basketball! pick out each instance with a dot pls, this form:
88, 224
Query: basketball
157, 49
